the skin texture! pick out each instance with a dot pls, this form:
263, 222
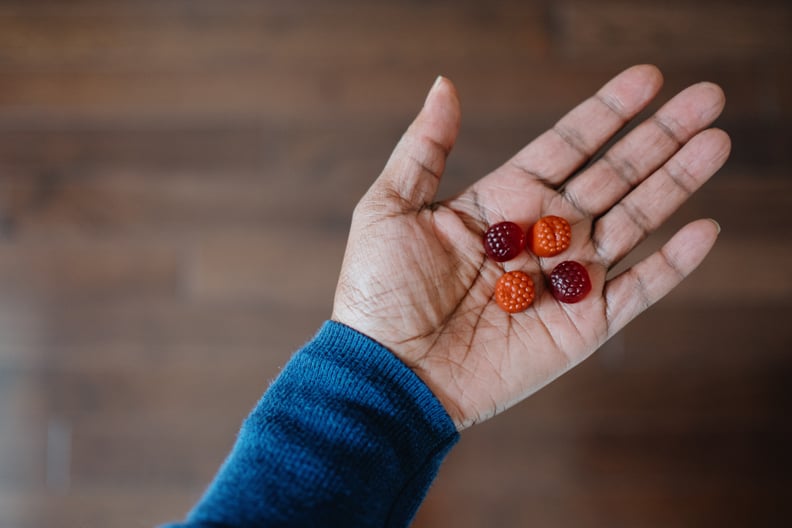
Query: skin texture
415, 276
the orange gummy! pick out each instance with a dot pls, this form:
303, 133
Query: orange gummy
514, 291
549, 236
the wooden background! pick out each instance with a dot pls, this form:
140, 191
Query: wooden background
176, 183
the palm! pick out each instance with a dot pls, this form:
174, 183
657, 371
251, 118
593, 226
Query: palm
416, 277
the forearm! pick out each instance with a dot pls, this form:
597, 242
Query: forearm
347, 435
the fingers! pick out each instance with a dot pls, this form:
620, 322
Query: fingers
638, 288
556, 154
645, 149
655, 199
413, 171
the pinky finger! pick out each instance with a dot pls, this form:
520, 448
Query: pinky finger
638, 288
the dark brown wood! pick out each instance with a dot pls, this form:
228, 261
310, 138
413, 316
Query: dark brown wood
176, 183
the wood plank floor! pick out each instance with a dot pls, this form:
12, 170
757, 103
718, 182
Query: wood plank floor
158, 159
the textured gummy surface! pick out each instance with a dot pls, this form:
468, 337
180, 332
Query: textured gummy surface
514, 291
550, 236
504, 241
570, 282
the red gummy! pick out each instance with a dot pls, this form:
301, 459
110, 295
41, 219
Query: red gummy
570, 282
514, 291
504, 241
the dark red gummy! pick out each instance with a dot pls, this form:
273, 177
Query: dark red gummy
504, 241
570, 282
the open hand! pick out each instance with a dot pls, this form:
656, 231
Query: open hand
415, 276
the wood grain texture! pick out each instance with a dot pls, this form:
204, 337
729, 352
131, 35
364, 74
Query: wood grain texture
176, 183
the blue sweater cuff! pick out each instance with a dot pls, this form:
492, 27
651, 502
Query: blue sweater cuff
347, 435
372, 372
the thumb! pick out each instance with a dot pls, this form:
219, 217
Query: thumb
414, 169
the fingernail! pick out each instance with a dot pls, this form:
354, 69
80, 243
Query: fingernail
435, 85
717, 225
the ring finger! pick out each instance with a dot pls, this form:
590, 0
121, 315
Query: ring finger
658, 196
645, 149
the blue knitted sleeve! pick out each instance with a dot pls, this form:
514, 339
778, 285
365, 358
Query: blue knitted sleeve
347, 435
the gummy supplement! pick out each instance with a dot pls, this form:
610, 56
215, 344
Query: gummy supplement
549, 236
504, 241
570, 282
514, 291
